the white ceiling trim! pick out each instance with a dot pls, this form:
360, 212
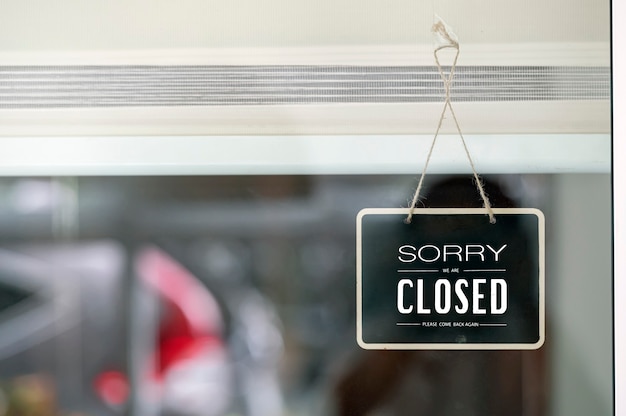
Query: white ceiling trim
259, 155
540, 53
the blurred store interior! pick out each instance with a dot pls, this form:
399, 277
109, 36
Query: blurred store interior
235, 295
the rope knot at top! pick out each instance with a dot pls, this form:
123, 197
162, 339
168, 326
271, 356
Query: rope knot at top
444, 38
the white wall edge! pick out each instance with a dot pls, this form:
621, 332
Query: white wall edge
261, 155
510, 117
538, 53
619, 205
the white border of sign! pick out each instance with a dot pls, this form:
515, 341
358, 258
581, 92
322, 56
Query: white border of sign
450, 346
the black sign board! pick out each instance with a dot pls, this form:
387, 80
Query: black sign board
450, 279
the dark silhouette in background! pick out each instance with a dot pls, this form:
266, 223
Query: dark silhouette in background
444, 383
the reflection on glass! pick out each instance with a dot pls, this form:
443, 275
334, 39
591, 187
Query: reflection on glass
236, 296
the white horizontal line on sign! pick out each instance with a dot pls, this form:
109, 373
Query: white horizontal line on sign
419, 271
485, 270
492, 324
409, 323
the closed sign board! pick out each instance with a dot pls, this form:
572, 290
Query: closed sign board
450, 279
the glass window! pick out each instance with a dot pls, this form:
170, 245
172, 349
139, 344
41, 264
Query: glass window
236, 295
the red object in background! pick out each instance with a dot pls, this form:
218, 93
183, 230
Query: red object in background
175, 350
191, 322
190, 327
112, 387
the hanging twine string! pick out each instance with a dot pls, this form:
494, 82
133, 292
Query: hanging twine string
445, 38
